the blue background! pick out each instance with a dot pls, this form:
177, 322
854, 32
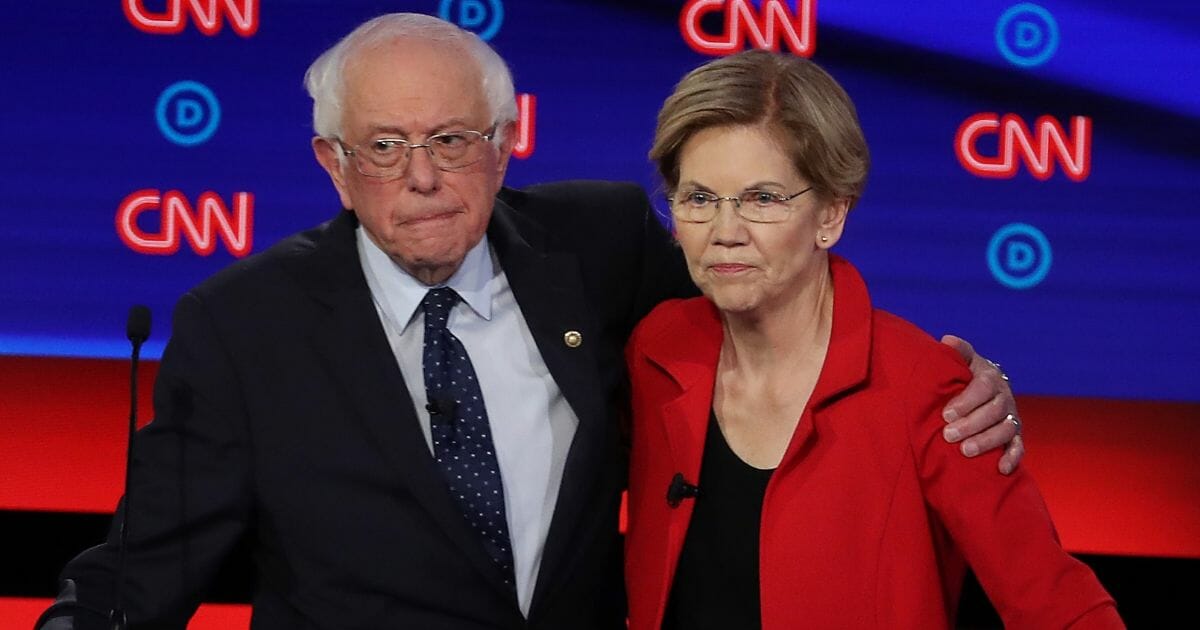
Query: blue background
1114, 317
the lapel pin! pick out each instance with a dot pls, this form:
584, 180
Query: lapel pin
573, 338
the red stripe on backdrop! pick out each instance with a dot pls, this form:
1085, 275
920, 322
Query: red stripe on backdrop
17, 613
1120, 477
65, 423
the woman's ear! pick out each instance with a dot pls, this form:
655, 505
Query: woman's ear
833, 221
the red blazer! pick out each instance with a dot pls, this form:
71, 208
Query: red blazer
871, 519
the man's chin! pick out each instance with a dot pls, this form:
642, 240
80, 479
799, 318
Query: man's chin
431, 268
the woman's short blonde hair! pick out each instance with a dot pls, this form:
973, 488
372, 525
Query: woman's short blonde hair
802, 107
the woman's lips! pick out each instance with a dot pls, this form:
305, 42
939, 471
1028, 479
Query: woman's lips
729, 268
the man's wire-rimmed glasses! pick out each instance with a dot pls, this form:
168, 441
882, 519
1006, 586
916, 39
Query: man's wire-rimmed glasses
756, 206
389, 157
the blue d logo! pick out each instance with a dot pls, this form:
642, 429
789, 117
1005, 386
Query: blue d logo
482, 18
1027, 35
1019, 256
187, 113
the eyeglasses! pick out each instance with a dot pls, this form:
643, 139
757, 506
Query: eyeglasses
756, 206
389, 157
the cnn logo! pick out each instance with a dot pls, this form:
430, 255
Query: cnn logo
767, 27
1038, 149
207, 14
200, 225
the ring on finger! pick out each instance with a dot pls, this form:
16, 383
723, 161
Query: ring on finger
998, 369
1015, 422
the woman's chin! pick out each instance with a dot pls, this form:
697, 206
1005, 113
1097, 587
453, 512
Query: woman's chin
734, 300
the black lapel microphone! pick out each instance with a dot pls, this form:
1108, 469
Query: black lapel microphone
679, 490
439, 405
137, 329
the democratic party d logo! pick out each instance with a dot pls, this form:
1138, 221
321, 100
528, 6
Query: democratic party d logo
1027, 35
1019, 256
187, 113
481, 17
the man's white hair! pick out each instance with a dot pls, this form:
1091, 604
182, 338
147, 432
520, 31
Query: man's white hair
324, 79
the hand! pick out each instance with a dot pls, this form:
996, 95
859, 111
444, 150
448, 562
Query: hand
984, 415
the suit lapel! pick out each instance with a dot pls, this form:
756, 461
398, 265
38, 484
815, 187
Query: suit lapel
685, 345
688, 354
847, 360
360, 360
548, 287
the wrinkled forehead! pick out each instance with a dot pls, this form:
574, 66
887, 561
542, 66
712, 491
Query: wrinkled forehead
422, 79
732, 158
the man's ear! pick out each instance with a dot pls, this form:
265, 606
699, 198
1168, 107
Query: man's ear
508, 140
833, 222
328, 154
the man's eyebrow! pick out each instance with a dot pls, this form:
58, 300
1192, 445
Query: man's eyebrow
390, 130
453, 123
460, 123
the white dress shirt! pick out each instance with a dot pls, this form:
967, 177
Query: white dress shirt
532, 424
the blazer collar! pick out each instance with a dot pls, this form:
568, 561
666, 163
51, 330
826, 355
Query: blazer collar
848, 360
688, 351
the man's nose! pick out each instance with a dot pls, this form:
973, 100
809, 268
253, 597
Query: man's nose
423, 174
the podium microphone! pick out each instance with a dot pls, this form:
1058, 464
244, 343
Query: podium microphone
137, 329
62, 613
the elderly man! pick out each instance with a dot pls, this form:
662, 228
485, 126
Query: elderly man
412, 410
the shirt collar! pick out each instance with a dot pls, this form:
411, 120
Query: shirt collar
400, 294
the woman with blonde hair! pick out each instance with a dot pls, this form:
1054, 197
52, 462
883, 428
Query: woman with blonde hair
787, 466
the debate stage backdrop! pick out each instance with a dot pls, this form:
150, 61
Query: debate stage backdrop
1035, 186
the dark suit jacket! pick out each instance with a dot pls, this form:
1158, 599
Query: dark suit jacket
281, 415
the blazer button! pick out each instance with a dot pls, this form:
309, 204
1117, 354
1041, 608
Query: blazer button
572, 338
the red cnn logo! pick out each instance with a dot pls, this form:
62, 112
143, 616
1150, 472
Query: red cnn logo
177, 216
205, 13
526, 117
763, 27
1074, 152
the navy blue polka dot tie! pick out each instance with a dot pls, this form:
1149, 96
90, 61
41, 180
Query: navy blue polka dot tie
462, 438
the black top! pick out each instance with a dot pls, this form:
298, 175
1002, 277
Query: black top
716, 583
